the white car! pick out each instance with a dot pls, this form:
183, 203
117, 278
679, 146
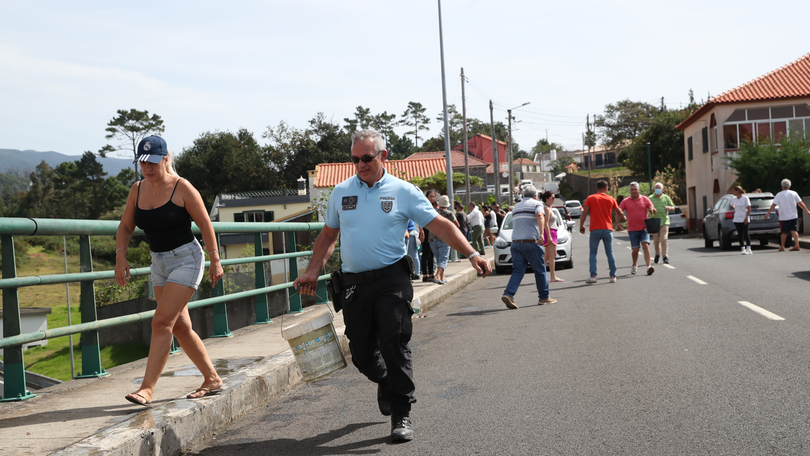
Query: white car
574, 208
677, 221
503, 252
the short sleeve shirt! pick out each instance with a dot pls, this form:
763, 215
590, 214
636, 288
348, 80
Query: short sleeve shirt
660, 204
372, 220
787, 201
636, 212
524, 219
600, 207
740, 208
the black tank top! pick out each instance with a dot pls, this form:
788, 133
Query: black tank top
167, 227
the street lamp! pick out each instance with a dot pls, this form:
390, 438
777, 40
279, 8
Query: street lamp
649, 166
511, 158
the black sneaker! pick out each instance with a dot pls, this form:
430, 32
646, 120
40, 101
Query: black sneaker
401, 428
657, 257
382, 400
666, 260
427, 279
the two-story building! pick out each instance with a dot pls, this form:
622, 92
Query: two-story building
771, 106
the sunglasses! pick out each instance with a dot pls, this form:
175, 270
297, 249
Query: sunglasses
365, 158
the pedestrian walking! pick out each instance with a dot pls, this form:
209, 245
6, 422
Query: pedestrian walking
441, 251
600, 207
637, 207
368, 212
462, 220
528, 218
550, 236
427, 263
742, 216
476, 220
489, 222
663, 204
163, 205
787, 200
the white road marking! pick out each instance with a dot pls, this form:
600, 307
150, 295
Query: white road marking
618, 243
696, 280
669, 266
761, 311
629, 248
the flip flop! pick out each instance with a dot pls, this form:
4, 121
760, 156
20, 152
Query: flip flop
557, 280
136, 398
208, 392
794, 250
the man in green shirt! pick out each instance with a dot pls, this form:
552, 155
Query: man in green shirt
663, 204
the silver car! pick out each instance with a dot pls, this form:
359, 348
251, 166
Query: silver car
503, 252
718, 224
677, 221
574, 208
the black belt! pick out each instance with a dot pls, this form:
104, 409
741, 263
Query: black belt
525, 241
348, 278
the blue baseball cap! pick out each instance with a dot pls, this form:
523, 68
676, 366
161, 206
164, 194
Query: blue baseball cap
151, 149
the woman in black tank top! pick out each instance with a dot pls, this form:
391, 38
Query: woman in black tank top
163, 206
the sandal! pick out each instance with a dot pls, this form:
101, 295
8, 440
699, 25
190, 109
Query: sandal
207, 391
138, 399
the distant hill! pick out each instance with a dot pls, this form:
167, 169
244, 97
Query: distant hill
27, 160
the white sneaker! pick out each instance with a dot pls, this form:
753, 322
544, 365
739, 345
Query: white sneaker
744, 251
633, 269
749, 251
613, 280
591, 280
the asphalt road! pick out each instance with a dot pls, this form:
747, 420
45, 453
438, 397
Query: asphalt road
668, 364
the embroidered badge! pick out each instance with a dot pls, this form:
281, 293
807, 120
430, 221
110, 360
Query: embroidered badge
387, 206
349, 203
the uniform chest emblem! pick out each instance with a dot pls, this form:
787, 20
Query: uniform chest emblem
387, 206
349, 203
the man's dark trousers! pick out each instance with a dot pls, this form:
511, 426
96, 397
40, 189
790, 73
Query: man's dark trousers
379, 327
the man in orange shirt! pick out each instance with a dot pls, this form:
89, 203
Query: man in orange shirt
600, 206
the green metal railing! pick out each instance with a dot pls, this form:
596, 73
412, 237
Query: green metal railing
13, 338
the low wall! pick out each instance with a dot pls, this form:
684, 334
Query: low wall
579, 184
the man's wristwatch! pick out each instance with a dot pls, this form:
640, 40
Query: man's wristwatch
473, 255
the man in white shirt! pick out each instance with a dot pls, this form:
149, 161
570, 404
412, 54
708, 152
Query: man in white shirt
476, 220
787, 200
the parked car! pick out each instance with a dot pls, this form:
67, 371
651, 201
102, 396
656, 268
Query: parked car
718, 224
574, 208
503, 252
569, 221
678, 221
553, 187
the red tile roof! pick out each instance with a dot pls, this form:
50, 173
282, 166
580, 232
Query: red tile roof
331, 174
524, 161
789, 81
457, 157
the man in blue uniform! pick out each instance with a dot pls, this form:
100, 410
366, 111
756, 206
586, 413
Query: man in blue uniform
369, 212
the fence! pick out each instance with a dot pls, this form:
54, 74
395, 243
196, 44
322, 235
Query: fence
11, 343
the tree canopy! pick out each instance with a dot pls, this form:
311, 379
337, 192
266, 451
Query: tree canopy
763, 165
623, 121
130, 127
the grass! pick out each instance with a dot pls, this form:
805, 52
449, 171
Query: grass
605, 173
53, 359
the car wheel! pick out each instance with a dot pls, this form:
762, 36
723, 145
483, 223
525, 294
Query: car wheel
723, 239
707, 243
500, 269
569, 264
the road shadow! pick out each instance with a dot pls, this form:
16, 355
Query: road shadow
313, 446
804, 275
74, 414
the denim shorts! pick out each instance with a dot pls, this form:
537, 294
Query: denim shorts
184, 266
637, 237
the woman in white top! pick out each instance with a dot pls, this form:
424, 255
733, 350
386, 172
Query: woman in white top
742, 213
550, 236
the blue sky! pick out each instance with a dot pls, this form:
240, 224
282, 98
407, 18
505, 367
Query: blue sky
66, 67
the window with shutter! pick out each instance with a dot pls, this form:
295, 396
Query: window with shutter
689, 147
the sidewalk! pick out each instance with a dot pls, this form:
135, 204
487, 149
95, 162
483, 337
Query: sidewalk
90, 416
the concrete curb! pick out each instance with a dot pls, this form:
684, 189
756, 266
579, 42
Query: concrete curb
172, 427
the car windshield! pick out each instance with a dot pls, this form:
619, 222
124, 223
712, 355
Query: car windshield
761, 203
507, 222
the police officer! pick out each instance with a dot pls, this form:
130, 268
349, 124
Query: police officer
369, 212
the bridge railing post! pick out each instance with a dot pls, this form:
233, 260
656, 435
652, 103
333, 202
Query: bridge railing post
14, 365
262, 310
295, 297
91, 351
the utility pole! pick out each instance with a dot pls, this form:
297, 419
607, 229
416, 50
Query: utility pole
588, 143
466, 152
511, 160
448, 157
495, 156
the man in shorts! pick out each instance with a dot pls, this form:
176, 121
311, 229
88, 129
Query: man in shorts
787, 200
637, 207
